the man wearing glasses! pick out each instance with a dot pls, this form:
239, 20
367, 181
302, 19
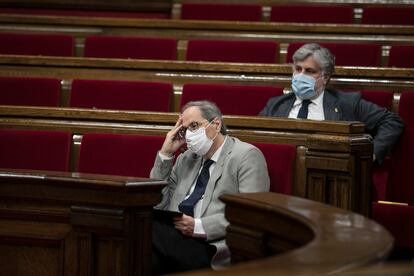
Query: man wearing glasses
214, 164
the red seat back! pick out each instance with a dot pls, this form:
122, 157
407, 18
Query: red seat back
118, 154
252, 51
400, 187
340, 14
124, 95
280, 159
379, 97
36, 44
29, 91
346, 54
228, 12
35, 149
401, 56
245, 100
88, 13
131, 47
388, 15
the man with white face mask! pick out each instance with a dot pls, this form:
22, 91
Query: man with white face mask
224, 164
312, 70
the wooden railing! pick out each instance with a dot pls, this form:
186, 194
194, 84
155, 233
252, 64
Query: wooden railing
333, 160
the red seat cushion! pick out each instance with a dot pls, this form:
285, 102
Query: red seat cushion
118, 154
388, 14
36, 44
379, 97
131, 47
29, 91
123, 95
340, 14
399, 220
401, 56
400, 188
253, 51
229, 12
280, 161
35, 149
346, 54
245, 100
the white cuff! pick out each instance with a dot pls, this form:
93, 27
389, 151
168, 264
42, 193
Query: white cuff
198, 229
165, 157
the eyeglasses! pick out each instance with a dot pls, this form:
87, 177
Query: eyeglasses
194, 126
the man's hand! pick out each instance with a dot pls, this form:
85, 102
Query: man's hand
185, 224
173, 141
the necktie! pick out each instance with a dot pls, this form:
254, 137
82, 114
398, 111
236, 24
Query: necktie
187, 205
303, 111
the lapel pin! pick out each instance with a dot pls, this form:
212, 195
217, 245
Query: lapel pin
336, 110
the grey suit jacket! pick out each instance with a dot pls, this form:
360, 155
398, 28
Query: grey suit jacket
384, 126
241, 168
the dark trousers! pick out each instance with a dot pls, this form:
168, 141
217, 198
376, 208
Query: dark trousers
174, 252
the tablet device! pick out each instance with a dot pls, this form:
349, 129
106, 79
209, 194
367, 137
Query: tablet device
166, 215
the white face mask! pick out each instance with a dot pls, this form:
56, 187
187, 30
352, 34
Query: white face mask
198, 142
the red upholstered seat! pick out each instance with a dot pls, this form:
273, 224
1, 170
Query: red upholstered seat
401, 56
379, 97
229, 12
346, 54
118, 154
35, 149
124, 95
388, 15
131, 47
400, 219
88, 13
252, 51
36, 44
280, 159
341, 14
245, 100
29, 91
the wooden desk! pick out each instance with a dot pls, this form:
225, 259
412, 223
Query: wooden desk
75, 224
333, 160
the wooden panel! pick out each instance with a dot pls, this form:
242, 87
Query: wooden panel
56, 223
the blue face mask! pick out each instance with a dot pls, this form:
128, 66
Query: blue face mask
304, 86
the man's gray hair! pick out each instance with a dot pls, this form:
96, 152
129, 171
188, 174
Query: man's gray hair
209, 111
323, 57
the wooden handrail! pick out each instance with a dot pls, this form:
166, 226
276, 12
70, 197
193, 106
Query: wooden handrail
284, 235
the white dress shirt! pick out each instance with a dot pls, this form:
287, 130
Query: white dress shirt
315, 108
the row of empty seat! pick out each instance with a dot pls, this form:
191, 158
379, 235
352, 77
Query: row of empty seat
148, 96
297, 12
115, 154
244, 51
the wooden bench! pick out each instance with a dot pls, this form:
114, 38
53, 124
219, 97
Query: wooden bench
181, 72
333, 160
183, 30
67, 223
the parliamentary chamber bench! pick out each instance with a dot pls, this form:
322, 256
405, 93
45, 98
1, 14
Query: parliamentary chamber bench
331, 164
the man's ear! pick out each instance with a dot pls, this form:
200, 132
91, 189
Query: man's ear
218, 123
